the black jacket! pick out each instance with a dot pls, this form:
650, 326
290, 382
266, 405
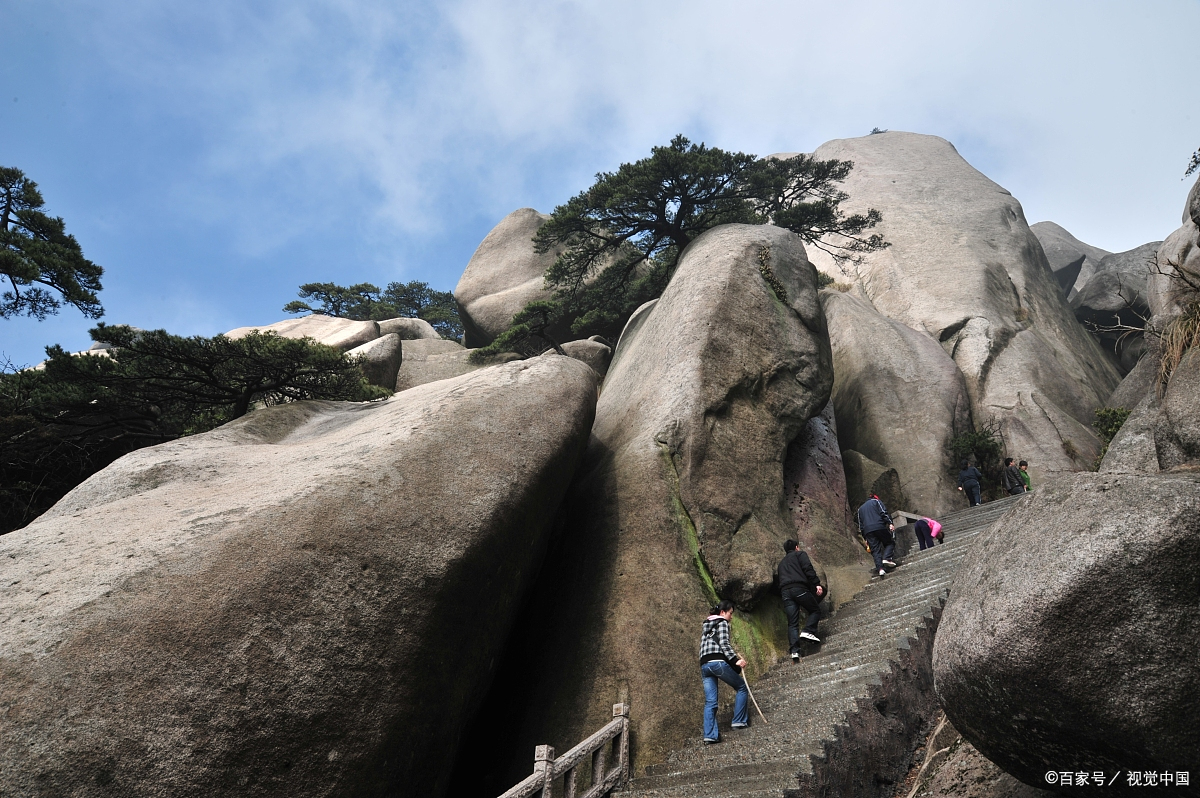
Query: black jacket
969, 475
796, 570
873, 517
1011, 479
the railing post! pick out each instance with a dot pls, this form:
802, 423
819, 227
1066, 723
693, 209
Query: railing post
622, 711
543, 763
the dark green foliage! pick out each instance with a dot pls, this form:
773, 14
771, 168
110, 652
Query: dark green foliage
984, 448
1193, 164
37, 254
876, 130
620, 240
1108, 422
533, 324
824, 280
60, 425
362, 302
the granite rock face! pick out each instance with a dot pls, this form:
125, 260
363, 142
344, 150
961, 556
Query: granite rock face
596, 354
900, 399
680, 500
1117, 294
964, 268
408, 329
1070, 259
503, 276
427, 360
866, 478
275, 608
343, 334
1068, 642
1177, 430
380, 359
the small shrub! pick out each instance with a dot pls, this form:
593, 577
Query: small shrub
1108, 421
985, 447
824, 280
1022, 315
843, 287
1068, 446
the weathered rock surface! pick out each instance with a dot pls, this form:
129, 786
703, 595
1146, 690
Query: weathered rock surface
343, 334
1070, 259
427, 360
408, 329
1138, 383
900, 399
1068, 642
503, 276
1177, 429
866, 478
380, 359
680, 499
815, 484
594, 353
1117, 294
966, 773
1179, 253
282, 607
964, 268
1132, 450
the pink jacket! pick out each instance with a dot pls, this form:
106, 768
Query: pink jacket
935, 529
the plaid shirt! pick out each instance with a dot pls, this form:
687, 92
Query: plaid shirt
714, 643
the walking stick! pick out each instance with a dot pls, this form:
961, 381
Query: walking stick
746, 682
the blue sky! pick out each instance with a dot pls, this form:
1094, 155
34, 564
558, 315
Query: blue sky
212, 157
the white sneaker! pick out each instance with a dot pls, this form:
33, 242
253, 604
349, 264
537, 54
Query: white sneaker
741, 725
882, 572
810, 636
795, 658
889, 563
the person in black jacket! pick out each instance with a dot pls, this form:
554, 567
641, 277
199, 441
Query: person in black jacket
968, 482
1011, 478
801, 589
876, 527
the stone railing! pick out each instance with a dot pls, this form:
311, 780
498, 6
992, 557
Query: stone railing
549, 771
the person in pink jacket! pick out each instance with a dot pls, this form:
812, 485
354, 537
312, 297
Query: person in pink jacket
928, 531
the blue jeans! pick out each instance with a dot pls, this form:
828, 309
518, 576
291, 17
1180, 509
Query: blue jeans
719, 669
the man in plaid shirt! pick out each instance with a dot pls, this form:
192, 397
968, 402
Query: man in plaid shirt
718, 660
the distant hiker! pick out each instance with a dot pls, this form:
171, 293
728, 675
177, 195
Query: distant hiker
1010, 479
718, 660
968, 482
876, 527
1025, 475
801, 588
928, 531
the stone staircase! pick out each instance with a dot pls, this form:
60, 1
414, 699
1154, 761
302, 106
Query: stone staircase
846, 719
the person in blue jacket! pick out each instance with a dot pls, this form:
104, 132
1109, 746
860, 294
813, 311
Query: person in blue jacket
968, 482
876, 527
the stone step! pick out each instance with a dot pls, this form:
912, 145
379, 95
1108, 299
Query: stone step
805, 703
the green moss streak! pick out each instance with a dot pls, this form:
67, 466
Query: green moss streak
759, 635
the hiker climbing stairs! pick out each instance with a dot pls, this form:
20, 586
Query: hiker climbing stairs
844, 720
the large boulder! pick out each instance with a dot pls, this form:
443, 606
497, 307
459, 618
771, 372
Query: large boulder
1177, 430
381, 359
964, 268
308, 601
815, 483
1068, 642
428, 360
343, 334
1117, 295
899, 398
1132, 450
866, 478
502, 277
593, 351
1177, 271
680, 500
1070, 259
408, 329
